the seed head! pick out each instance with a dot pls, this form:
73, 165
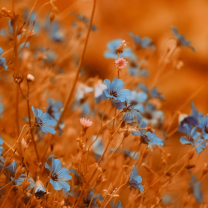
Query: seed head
18, 78
30, 78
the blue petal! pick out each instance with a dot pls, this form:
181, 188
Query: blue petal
57, 185
56, 165
63, 175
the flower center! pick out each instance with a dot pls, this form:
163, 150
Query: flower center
54, 177
51, 112
113, 93
206, 129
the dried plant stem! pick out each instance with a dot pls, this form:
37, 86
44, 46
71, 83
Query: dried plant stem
168, 170
28, 109
75, 79
20, 136
119, 188
8, 195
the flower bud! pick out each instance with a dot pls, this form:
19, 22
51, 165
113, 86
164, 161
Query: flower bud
30, 78
52, 17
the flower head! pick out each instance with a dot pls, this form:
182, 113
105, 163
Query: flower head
112, 53
114, 90
120, 63
181, 39
147, 136
39, 190
192, 136
59, 176
142, 42
118, 205
30, 78
135, 180
44, 121
86, 123
130, 113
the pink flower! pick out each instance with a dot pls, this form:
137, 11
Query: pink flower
120, 63
86, 123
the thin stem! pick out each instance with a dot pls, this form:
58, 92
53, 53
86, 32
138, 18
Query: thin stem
168, 170
28, 109
8, 195
76, 77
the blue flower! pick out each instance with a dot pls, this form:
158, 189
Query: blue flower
196, 190
203, 125
18, 181
147, 136
98, 147
152, 116
142, 42
40, 191
118, 205
115, 91
135, 180
44, 121
190, 120
130, 113
54, 109
59, 176
155, 94
135, 70
111, 53
181, 39
1, 143
88, 198
84, 20
191, 137
3, 60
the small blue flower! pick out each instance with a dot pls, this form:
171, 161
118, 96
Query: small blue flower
155, 94
111, 53
142, 42
130, 113
134, 70
18, 181
115, 91
191, 137
118, 205
143, 87
40, 191
3, 60
88, 198
59, 176
44, 121
147, 136
135, 180
181, 39
98, 147
196, 190
84, 20
191, 120
54, 109
99, 91
152, 116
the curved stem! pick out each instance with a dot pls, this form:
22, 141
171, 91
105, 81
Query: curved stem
76, 77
